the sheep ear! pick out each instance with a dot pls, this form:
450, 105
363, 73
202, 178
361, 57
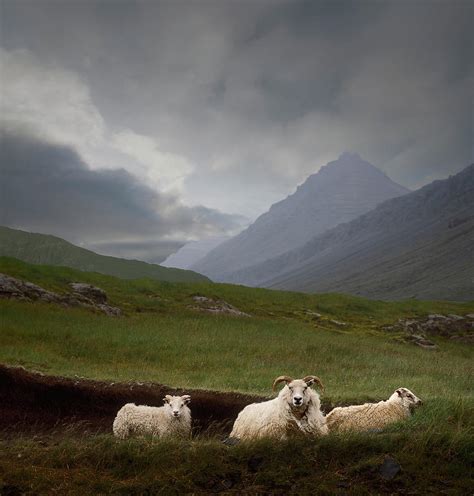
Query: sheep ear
399, 392
186, 399
167, 398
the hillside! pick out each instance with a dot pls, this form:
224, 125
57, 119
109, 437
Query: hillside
341, 191
50, 250
191, 252
55, 426
419, 245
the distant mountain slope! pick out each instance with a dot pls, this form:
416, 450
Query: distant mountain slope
419, 245
192, 252
50, 250
339, 192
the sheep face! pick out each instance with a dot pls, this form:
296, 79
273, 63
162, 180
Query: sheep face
407, 398
176, 404
296, 393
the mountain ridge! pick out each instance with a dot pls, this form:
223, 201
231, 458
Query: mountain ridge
338, 192
404, 247
51, 250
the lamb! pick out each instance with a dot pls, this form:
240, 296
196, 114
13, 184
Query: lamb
373, 416
296, 409
172, 419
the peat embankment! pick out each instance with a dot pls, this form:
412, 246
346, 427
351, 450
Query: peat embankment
33, 402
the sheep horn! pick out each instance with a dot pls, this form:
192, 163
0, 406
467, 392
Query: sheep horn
282, 378
309, 378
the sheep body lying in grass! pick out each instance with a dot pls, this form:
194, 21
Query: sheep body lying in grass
296, 409
373, 416
171, 419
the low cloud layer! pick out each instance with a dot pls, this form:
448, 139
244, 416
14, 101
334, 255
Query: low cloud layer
48, 188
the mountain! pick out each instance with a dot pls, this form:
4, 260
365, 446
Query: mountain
418, 245
193, 251
50, 250
341, 191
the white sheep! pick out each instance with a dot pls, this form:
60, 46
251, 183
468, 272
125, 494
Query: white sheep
373, 416
296, 409
171, 419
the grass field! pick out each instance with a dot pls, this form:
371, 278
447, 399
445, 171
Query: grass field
160, 339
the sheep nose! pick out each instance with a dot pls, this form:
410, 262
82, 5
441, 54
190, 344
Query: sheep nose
175, 413
298, 399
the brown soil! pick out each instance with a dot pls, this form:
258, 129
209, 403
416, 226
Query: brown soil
33, 402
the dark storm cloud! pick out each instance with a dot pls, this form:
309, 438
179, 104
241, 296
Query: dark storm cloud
48, 188
258, 95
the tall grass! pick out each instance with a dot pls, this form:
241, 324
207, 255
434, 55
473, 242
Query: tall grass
226, 353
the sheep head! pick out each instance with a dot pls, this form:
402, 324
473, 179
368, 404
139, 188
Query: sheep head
407, 398
176, 404
296, 390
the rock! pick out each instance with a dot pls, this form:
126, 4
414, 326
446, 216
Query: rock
84, 295
315, 315
338, 323
389, 468
437, 325
93, 293
455, 317
470, 316
231, 441
216, 306
468, 339
420, 341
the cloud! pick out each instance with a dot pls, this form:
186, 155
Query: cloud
247, 102
48, 188
56, 105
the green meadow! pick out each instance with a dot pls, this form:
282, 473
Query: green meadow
161, 339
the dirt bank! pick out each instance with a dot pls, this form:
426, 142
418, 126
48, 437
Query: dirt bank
35, 402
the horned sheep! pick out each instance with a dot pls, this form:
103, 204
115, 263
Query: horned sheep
171, 419
373, 416
296, 409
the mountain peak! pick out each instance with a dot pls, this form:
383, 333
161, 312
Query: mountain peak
339, 192
349, 156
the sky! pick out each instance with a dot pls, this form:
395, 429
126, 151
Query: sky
131, 127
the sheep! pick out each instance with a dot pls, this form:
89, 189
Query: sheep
296, 409
373, 416
171, 419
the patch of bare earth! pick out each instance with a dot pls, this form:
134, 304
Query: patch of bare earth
33, 402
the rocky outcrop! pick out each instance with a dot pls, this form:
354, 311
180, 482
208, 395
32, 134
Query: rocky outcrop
210, 305
82, 295
455, 327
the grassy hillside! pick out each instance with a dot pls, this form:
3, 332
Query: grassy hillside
160, 339
50, 250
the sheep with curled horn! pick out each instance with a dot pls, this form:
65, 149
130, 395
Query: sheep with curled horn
296, 410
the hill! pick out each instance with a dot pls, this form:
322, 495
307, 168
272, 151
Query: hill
50, 250
342, 190
418, 245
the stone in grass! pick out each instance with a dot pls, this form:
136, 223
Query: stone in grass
389, 468
231, 441
338, 323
